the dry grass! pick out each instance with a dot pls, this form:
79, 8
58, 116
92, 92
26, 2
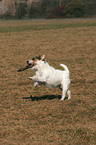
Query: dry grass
45, 120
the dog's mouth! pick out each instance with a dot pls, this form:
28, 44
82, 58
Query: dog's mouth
29, 65
32, 63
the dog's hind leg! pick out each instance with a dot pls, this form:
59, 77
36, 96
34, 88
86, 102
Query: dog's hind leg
64, 90
69, 94
63, 95
64, 87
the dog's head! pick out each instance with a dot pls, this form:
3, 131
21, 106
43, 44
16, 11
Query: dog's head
34, 61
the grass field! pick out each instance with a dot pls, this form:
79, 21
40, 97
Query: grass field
45, 120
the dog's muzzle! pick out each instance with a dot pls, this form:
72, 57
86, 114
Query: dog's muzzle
29, 65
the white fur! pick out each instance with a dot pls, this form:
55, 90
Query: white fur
51, 77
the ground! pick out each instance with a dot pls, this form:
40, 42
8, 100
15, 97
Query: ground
36, 116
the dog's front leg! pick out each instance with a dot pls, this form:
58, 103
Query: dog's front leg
33, 78
35, 83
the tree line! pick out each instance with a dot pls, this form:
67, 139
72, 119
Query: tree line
51, 9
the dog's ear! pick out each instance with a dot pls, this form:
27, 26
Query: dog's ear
42, 57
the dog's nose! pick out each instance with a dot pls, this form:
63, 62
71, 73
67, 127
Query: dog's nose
27, 61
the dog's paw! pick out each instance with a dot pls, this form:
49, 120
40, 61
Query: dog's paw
35, 84
30, 78
61, 99
69, 97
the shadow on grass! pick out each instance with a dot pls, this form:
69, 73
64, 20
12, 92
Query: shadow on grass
49, 97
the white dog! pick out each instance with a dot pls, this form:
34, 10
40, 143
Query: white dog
49, 76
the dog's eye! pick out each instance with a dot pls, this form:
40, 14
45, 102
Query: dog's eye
33, 58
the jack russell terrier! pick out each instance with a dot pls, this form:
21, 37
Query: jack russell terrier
49, 76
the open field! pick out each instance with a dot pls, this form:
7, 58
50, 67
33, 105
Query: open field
45, 120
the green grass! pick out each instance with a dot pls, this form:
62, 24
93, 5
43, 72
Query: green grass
34, 27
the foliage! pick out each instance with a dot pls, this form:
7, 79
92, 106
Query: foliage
34, 11
76, 8
21, 10
49, 9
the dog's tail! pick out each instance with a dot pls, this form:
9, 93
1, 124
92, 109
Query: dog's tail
65, 67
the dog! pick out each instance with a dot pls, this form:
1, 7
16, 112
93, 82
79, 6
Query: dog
49, 76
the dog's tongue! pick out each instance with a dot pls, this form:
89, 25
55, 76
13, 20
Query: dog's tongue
24, 68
